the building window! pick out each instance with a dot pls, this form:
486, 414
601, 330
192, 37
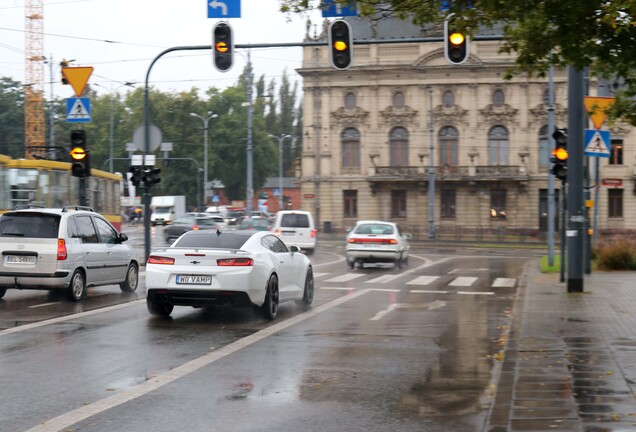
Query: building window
615, 203
498, 204
498, 98
544, 144
448, 203
448, 100
350, 148
350, 100
447, 139
398, 203
350, 203
498, 146
616, 152
399, 146
398, 99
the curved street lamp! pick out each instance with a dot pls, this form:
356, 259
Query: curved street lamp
205, 120
280, 139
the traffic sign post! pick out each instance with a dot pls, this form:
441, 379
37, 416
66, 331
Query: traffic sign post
78, 110
597, 106
597, 143
224, 9
77, 77
332, 9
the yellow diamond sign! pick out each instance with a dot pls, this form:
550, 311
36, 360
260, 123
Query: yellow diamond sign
596, 106
77, 77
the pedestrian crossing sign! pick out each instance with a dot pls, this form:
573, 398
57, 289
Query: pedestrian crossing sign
78, 110
597, 143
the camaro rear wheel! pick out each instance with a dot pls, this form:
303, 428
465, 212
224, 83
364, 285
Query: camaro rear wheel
159, 308
270, 306
308, 293
77, 287
129, 285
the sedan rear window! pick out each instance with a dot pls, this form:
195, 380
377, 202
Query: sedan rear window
31, 225
294, 220
199, 239
374, 229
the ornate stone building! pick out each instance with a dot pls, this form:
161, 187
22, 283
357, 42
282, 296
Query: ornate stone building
374, 133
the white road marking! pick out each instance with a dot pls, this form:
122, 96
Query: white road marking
437, 304
43, 304
338, 288
463, 281
346, 277
384, 278
428, 292
384, 312
65, 421
317, 275
423, 280
459, 270
476, 292
504, 283
68, 317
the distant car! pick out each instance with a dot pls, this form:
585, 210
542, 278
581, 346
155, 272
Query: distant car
233, 217
189, 223
255, 224
237, 269
296, 227
67, 249
376, 241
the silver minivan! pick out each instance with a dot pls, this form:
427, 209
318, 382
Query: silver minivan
65, 249
296, 227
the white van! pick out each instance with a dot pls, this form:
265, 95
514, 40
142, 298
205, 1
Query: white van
296, 227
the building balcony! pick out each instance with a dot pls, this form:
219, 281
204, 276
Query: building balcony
470, 173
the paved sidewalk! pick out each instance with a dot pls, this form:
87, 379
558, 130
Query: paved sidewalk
570, 360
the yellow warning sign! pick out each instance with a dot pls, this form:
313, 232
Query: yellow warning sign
596, 107
77, 77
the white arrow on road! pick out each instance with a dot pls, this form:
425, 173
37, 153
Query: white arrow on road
215, 4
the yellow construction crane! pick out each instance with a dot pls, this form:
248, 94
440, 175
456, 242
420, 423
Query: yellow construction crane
34, 119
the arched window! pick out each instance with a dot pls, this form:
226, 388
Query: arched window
350, 100
350, 148
447, 139
399, 145
498, 145
544, 150
398, 99
498, 98
448, 100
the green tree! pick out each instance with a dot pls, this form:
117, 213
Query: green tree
11, 118
598, 34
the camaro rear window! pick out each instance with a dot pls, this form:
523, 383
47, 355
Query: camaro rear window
29, 225
221, 241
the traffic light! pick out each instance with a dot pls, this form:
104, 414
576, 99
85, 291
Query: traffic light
340, 44
150, 176
64, 64
80, 158
560, 154
456, 44
135, 179
222, 46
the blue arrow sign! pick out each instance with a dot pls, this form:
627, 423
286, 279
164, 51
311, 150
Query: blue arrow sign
331, 9
224, 9
78, 110
597, 143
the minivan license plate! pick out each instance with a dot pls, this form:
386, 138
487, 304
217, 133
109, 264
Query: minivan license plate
194, 280
20, 259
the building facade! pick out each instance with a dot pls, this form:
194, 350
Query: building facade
454, 151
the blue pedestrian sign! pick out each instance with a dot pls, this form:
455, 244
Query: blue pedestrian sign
331, 9
597, 143
78, 110
224, 9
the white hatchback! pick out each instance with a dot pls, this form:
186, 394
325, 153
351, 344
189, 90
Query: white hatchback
65, 249
376, 241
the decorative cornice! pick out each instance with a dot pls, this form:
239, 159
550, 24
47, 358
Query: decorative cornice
450, 115
349, 117
499, 114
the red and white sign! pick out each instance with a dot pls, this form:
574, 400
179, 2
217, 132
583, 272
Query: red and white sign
612, 182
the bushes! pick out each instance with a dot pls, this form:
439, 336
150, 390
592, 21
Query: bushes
615, 254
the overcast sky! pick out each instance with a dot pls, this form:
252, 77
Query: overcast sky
142, 29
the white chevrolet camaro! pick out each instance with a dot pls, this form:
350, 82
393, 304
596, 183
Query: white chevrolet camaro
237, 269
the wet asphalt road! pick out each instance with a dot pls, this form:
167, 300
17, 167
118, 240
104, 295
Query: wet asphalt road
381, 349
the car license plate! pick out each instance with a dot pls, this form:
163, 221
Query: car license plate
194, 280
20, 259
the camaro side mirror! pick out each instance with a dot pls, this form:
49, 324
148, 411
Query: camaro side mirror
294, 248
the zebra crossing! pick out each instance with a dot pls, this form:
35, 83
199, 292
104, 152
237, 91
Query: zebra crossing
417, 283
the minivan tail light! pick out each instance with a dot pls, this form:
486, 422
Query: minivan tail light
156, 259
61, 250
235, 262
313, 233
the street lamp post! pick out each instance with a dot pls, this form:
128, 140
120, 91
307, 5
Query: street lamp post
280, 139
205, 120
111, 130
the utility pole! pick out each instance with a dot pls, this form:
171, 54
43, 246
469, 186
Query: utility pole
250, 148
431, 169
551, 194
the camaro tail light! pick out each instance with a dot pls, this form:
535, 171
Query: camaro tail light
156, 259
355, 240
313, 233
276, 231
196, 227
61, 250
235, 262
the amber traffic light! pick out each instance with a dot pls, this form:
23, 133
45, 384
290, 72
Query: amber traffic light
222, 46
456, 44
340, 44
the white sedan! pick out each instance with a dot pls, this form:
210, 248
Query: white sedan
238, 269
373, 241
